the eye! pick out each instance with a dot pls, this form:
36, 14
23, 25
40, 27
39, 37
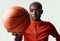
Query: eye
31, 10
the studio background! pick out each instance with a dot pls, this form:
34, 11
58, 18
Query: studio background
51, 12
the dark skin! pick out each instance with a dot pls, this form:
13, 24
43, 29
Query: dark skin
18, 37
35, 12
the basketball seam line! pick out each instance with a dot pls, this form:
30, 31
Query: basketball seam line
24, 28
17, 16
18, 24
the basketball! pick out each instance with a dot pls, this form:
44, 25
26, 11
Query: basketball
17, 20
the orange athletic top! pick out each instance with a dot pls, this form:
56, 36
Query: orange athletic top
40, 31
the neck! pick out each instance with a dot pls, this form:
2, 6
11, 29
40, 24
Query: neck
36, 20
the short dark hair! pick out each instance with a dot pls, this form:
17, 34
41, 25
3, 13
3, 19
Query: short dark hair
37, 4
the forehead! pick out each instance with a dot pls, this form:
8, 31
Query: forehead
34, 7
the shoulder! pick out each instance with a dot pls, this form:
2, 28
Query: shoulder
47, 23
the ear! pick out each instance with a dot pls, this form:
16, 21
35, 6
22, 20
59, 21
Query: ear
41, 11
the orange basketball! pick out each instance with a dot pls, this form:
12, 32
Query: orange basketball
17, 20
